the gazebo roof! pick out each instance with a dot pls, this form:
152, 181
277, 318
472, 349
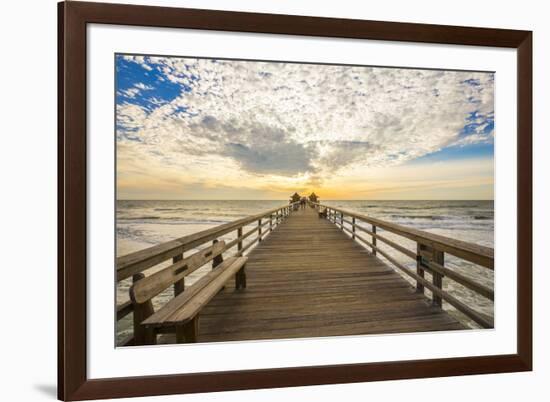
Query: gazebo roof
295, 197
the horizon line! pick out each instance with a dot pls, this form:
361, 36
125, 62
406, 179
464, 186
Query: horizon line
328, 199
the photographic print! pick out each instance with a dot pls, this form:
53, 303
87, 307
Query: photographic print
311, 198
261, 200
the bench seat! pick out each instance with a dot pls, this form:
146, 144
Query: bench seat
182, 311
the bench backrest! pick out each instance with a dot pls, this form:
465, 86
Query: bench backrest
150, 286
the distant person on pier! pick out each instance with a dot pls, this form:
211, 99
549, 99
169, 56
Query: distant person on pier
294, 200
303, 202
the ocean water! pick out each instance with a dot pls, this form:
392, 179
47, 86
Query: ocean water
141, 224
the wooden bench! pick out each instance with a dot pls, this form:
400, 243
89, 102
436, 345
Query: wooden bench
181, 314
322, 212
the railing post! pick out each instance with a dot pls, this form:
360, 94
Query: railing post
270, 222
179, 286
342, 220
374, 239
240, 243
419, 270
426, 253
142, 335
260, 230
353, 227
218, 259
437, 278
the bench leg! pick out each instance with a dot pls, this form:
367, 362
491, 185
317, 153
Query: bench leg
142, 335
240, 279
188, 333
180, 334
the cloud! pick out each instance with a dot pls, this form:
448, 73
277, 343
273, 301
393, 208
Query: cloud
129, 93
336, 155
130, 117
306, 122
143, 87
287, 158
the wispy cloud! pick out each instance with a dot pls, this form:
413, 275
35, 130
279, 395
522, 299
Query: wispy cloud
143, 87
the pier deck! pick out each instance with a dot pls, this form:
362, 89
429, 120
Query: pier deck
307, 278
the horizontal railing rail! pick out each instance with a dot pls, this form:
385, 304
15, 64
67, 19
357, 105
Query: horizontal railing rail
138, 261
429, 257
134, 264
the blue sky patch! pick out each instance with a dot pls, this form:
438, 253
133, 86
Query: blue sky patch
474, 151
478, 123
143, 87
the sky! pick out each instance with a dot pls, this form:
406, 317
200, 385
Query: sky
189, 128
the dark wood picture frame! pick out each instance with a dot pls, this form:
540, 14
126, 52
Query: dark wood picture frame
73, 17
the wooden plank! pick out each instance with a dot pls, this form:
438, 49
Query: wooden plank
485, 322
179, 286
308, 279
432, 266
154, 284
165, 315
419, 268
240, 238
142, 336
437, 277
138, 261
373, 239
192, 307
463, 280
477, 254
124, 309
168, 309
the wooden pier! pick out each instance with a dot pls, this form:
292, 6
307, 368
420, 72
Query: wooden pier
303, 273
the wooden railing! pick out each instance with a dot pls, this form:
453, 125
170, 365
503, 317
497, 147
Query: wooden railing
134, 264
429, 257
